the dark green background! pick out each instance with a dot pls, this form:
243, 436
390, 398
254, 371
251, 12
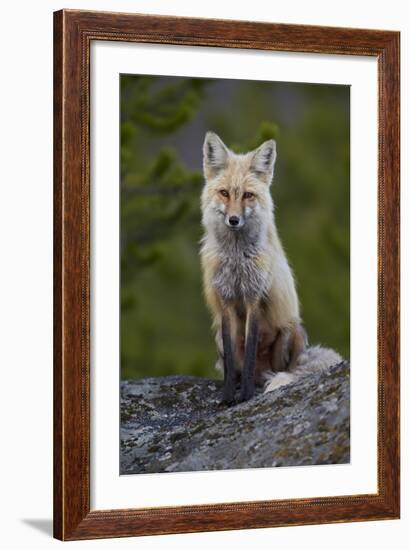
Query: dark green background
165, 327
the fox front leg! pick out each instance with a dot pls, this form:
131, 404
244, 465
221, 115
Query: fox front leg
251, 345
229, 363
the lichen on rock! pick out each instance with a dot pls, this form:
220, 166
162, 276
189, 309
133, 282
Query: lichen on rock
176, 424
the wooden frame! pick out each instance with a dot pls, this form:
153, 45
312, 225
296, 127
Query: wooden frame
73, 33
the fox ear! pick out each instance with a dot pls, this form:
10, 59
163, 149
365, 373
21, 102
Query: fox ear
263, 161
215, 155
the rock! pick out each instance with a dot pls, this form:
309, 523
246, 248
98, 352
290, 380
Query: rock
176, 424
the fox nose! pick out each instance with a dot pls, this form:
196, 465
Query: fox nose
233, 220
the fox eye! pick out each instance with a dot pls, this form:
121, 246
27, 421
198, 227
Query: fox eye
248, 195
224, 193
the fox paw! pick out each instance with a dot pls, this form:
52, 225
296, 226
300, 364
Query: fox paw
226, 403
246, 394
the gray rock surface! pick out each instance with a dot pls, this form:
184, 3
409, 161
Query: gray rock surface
176, 424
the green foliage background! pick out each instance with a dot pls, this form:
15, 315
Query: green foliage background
165, 327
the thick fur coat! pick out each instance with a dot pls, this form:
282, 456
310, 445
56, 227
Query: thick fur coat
248, 284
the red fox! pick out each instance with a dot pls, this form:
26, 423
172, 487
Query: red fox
248, 284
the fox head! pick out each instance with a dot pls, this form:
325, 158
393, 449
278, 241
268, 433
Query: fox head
236, 191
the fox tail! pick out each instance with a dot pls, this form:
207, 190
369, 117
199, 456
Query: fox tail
314, 359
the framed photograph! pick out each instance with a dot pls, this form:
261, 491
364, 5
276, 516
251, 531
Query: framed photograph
226, 275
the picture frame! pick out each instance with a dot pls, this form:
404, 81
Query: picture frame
74, 31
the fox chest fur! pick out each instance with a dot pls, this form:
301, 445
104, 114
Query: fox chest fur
239, 275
